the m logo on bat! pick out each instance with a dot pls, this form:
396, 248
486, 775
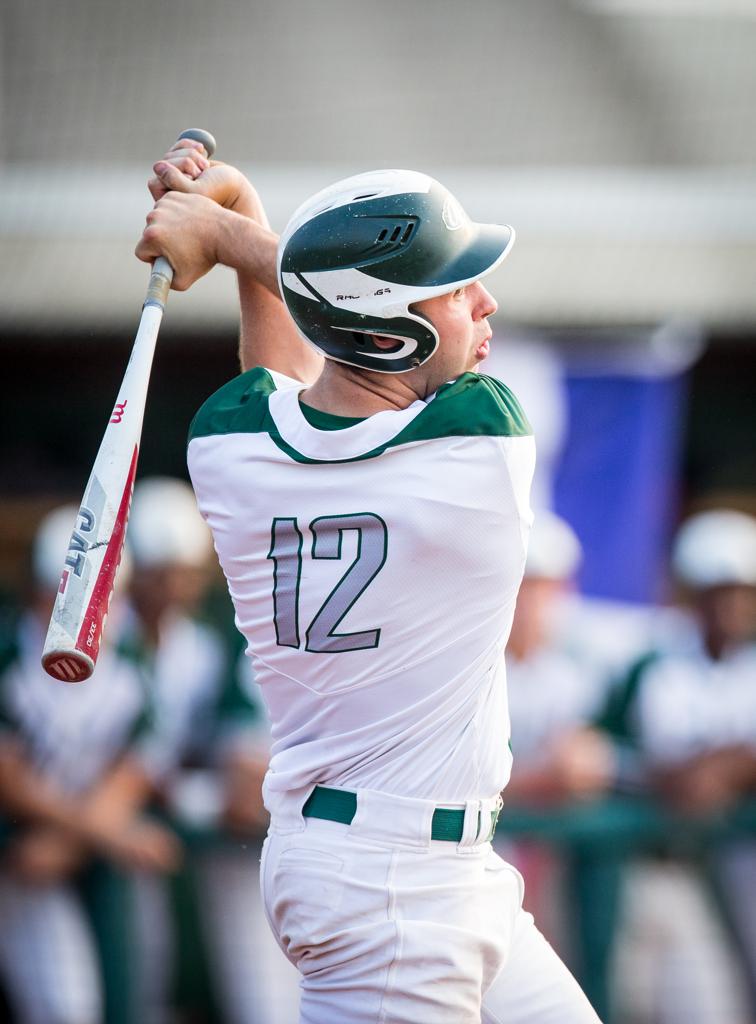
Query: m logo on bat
119, 410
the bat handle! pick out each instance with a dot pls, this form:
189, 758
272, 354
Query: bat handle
160, 283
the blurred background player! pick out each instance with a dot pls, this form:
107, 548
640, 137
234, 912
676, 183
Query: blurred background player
687, 712
219, 742
77, 764
704, 754
554, 690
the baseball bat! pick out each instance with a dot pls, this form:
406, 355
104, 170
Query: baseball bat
94, 551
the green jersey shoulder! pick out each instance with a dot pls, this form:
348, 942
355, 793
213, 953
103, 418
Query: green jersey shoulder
472, 405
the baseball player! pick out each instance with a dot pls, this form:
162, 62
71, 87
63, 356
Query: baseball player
554, 690
554, 687
76, 765
695, 712
692, 694
367, 491
687, 709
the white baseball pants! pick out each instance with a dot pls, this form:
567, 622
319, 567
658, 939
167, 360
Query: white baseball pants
389, 927
253, 982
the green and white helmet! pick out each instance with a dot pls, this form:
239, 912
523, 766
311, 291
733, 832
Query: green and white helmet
355, 256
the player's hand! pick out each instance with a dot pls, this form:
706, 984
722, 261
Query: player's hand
186, 230
44, 856
185, 168
178, 168
142, 845
244, 812
584, 763
710, 783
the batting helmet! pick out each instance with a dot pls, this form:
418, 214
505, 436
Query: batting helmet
354, 258
51, 544
716, 548
554, 552
165, 526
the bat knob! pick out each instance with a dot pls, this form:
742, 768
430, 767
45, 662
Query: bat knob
200, 136
68, 665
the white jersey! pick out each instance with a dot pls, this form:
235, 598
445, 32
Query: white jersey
689, 703
207, 705
74, 733
374, 571
550, 692
186, 674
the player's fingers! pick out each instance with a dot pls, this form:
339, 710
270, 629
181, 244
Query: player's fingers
140, 859
184, 144
147, 249
157, 188
180, 283
172, 178
158, 850
148, 847
140, 251
152, 243
188, 160
189, 164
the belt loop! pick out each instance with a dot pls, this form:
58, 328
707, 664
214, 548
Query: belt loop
285, 807
386, 818
471, 828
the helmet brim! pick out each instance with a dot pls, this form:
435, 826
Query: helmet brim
431, 270
485, 248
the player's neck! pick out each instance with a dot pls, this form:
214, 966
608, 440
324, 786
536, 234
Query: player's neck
346, 391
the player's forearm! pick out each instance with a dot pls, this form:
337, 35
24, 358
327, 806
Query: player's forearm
25, 794
268, 336
248, 203
89, 819
117, 797
248, 248
533, 784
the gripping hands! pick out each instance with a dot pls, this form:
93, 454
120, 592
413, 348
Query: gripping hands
194, 220
207, 212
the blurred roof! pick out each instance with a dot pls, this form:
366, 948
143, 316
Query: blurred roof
616, 135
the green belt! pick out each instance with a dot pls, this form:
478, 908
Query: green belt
341, 805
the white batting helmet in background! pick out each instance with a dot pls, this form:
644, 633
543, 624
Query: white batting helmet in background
554, 551
50, 547
715, 549
165, 526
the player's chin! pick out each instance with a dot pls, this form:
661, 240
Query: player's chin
482, 351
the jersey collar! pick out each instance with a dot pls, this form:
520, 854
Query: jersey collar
335, 445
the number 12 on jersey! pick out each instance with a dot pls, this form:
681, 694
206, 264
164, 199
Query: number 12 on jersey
327, 533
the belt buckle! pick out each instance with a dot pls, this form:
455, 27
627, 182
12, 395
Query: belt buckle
495, 817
